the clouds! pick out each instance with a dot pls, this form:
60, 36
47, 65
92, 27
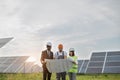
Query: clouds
82, 24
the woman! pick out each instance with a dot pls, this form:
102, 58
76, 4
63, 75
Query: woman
72, 72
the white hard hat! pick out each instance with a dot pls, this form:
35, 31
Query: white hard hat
49, 44
71, 49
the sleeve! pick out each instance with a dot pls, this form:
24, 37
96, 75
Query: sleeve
42, 57
76, 60
70, 59
65, 53
52, 55
55, 55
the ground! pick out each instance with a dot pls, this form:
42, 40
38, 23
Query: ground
35, 76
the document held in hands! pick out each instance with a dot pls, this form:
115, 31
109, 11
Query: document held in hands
58, 65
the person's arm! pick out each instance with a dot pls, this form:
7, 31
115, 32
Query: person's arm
42, 58
54, 56
71, 59
75, 62
65, 55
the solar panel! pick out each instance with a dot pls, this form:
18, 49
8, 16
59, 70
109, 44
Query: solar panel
112, 70
113, 53
98, 54
4, 41
104, 62
113, 59
80, 62
16, 64
112, 63
97, 59
28, 67
94, 70
83, 69
96, 62
36, 68
82, 66
8, 63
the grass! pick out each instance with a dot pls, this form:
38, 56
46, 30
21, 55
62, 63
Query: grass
38, 76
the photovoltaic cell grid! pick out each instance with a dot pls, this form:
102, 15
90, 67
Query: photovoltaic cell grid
104, 62
4, 41
112, 64
100, 62
96, 62
79, 65
17, 64
10, 64
82, 65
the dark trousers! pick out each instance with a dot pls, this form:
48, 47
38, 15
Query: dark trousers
46, 74
72, 76
61, 75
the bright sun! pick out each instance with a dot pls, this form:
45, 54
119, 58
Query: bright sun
31, 59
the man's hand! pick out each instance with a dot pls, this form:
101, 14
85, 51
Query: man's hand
74, 62
43, 62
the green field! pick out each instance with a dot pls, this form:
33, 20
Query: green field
39, 77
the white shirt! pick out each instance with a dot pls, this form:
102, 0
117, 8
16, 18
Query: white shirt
59, 53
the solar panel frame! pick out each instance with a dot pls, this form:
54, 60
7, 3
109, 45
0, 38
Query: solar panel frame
80, 62
4, 41
84, 66
112, 63
96, 62
113, 53
94, 54
112, 70
11, 63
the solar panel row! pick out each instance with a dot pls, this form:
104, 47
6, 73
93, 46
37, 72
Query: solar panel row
82, 65
101, 62
17, 65
112, 63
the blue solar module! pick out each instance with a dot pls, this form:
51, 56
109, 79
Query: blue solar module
82, 66
112, 63
96, 62
104, 62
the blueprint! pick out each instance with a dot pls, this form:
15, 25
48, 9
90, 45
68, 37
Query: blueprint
58, 65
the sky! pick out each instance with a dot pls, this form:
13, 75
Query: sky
85, 25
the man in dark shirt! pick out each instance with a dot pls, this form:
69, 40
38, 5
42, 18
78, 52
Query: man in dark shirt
46, 54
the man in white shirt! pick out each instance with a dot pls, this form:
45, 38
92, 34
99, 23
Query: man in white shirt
60, 54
